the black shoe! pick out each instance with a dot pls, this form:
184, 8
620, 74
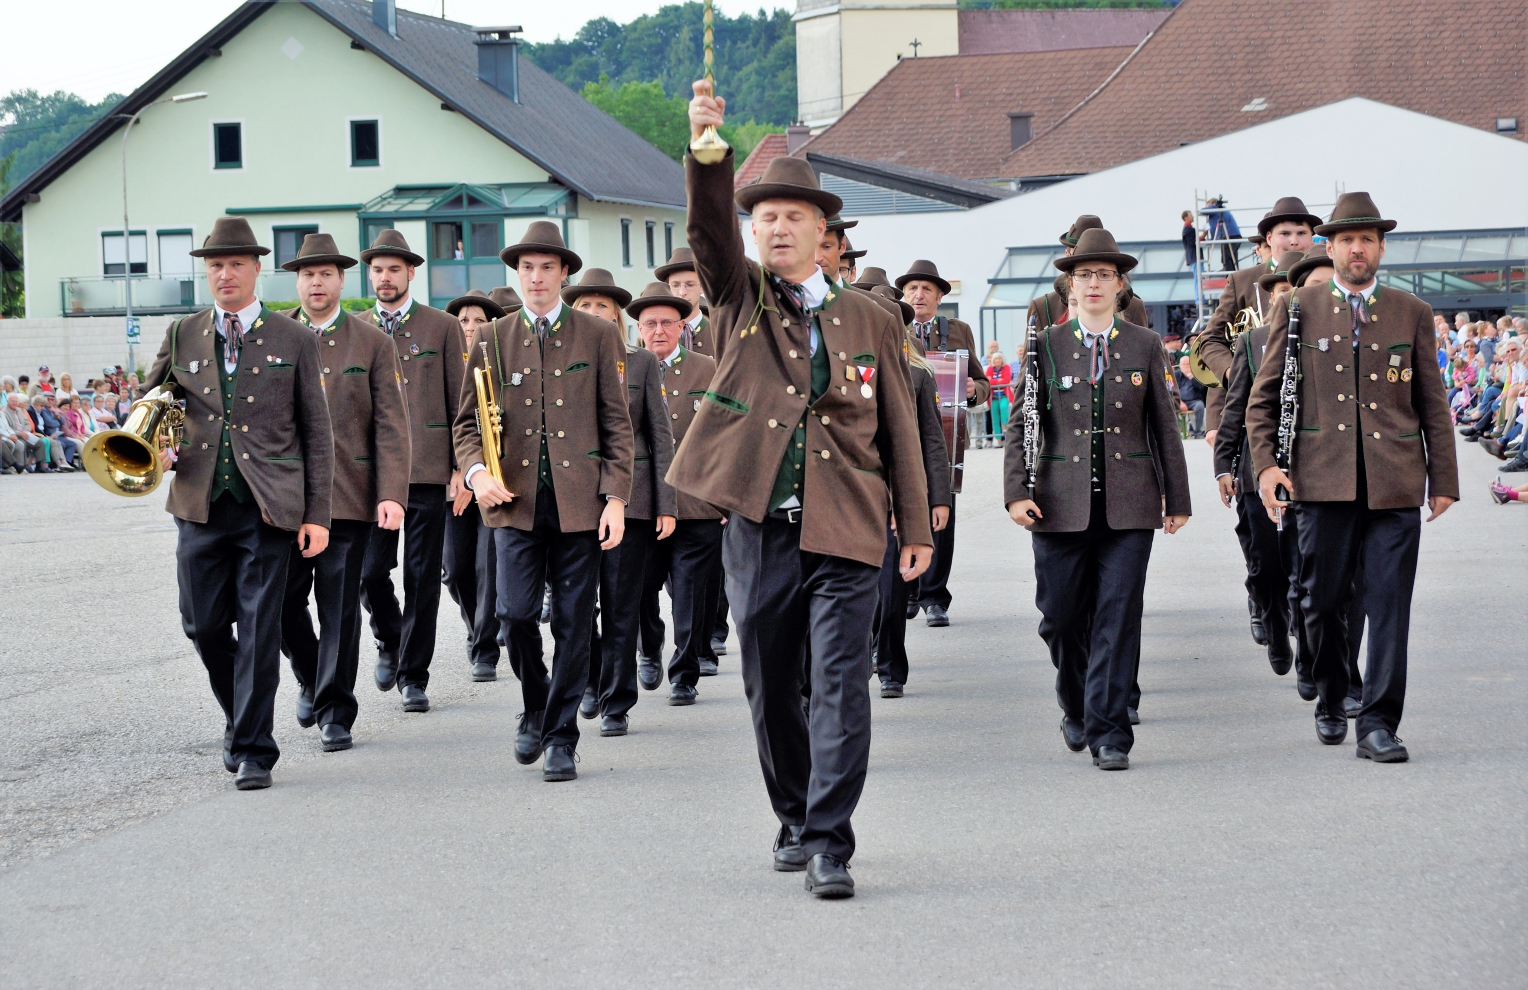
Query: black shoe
891, 688
528, 738
252, 777
1518, 463
718, 647
387, 668
708, 668
414, 699
1109, 758
649, 673
1133, 715
1072, 734
1352, 706
482, 671
1382, 746
788, 855
682, 694
613, 725
559, 763
1494, 447
828, 876
228, 763
1280, 656
1305, 684
1330, 729
936, 615
912, 609
335, 737
305, 716
590, 705
1259, 633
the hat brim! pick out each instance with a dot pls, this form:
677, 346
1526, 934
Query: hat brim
1362, 223
854, 255
641, 303
1267, 282
511, 255
843, 225
902, 281
227, 250
490, 308
867, 286
1268, 223
573, 293
1304, 267
342, 261
662, 272
408, 256
750, 196
1123, 262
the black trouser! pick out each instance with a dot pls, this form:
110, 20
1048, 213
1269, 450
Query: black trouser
327, 662
933, 585
613, 635
1089, 587
889, 634
785, 601
1305, 655
232, 569
1267, 576
472, 580
1336, 539
571, 561
689, 560
650, 628
408, 633
720, 632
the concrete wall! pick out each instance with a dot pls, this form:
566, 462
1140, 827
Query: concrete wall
82, 346
843, 49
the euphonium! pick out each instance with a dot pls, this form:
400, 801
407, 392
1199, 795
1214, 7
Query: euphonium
490, 419
126, 461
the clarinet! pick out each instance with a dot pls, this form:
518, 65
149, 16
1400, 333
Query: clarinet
1289, 401
1031, 407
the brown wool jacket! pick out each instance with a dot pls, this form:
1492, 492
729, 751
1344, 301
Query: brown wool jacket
431, 352
651, 496
1241, 291
684, 389
1143, 453
280, 421
704, 340
1247, 360
857, 445
1400, 414
368, 415
581, 388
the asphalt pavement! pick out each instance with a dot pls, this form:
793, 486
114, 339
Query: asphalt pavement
1236, 852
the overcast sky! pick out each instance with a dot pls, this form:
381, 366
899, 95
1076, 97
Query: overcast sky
95, 47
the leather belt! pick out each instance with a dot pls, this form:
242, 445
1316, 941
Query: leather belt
792, 516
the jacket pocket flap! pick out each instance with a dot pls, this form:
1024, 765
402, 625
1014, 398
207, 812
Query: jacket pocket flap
727, 402
355, 370
864, 359
578, 366
284, 459
1399, 347
437, 426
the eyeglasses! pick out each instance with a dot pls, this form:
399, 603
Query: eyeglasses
651, 325
1088, 274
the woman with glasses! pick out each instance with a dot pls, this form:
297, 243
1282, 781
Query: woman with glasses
1104, 470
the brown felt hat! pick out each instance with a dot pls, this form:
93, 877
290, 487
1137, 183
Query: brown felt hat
849, 254
1313, 259
1280, 273
230, 235
923, 271
319, 249
872, 277
507, 298
478, 298
597, 282
1085, 222
682, 260
1289, 209
836, 222
391, 243
888, 292
1096, 244
788, 178
658, 294
542, 237
1354, 211
1256, 239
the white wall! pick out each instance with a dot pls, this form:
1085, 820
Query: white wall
82, 346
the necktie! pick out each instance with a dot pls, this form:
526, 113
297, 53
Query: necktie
541, 325
391, 322
795, 293
1099, 358
235, 336
1360, 315
923, 329
687, 335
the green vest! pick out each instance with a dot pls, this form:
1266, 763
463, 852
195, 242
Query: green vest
1096, 446
226, 477
544, 463
792, 474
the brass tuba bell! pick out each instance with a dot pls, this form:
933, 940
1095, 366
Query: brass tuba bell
126, 461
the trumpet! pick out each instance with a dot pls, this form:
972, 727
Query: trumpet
490, 418
126, 461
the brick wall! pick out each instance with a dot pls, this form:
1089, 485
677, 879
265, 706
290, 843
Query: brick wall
81, 346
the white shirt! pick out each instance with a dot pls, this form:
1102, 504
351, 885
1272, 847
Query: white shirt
816, 287
402, 306
673, 356
1367, 291
247, 317
550, 315
333, 318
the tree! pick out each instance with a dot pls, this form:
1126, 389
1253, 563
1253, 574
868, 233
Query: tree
13, 302
35, 127
664, 121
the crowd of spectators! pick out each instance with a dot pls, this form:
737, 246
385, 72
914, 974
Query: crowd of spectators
45, 421
1485, 369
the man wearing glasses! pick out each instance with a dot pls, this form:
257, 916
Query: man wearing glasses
1108, 470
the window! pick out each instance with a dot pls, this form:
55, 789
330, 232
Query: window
668, 241
464, 254
113, 262
651, 244
289, 241
625, 242
175, 253
227, 146
365, 143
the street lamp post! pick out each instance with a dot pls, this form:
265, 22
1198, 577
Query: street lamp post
127, 236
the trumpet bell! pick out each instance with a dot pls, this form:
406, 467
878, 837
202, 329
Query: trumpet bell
122, 463
1202, 372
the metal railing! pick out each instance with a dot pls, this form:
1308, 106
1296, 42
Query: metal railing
106, 295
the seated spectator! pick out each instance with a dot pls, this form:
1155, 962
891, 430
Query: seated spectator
124, 402
104, 416
45, 414
65, 388
1000, 374
43, 452
77, 422
13, 450
1190, 397
44, 384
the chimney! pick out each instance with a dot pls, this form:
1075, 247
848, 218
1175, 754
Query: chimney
796, 135
1020, 130
499, 58
384, 14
